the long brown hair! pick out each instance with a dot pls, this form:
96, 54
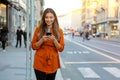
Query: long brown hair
43, 25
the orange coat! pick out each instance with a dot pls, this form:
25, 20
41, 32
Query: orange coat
46, 58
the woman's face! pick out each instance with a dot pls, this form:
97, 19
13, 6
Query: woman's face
49, 19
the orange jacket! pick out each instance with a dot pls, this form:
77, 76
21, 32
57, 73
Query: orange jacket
46, 58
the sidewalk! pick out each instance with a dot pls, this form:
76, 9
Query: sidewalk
13, 64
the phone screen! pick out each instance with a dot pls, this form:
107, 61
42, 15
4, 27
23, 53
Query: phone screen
48, 33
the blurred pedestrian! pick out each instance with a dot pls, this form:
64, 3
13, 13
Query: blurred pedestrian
19, 36
4, 37
73, 33
84, 35
87, 35
48, 39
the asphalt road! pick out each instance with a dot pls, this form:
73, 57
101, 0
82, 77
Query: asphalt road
90, 60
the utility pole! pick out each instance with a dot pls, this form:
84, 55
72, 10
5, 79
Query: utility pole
32, 30
27, 51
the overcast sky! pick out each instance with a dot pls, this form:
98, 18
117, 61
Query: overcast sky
63, 6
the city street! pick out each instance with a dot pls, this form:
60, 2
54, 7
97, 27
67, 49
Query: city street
90, 60
93, 59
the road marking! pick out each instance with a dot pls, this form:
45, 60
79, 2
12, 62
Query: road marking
88, 73
91, 62
100, 53
68, 79
77, 52
69, 52
86, 52
114, 71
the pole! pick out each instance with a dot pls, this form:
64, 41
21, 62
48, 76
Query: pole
32, 30
27, 50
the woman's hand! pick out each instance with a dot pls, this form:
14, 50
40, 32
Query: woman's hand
45, 38
52, 38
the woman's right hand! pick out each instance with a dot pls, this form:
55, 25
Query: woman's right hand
45, 38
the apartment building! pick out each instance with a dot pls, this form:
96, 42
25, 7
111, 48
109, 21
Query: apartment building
101, 16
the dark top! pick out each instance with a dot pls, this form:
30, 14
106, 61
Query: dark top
19, 34
4, 32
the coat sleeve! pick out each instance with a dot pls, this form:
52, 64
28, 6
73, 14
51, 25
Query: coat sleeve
61, 41
34, 39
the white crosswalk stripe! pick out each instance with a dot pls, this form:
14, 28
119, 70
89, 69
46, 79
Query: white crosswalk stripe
88, 73
113, 70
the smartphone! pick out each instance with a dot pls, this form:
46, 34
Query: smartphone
48, 33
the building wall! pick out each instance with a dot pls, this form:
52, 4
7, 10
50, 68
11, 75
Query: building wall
38, 10
102, 14
76, 20
65, 21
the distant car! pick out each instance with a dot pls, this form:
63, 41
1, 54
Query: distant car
99, 34
65, 32
77, 33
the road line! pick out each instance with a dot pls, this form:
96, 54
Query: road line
91, 62
88, 73
113, 70
100, 53
77, 52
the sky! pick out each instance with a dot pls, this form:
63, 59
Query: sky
63, 6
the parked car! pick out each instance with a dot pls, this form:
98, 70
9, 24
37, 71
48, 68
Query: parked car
99, 34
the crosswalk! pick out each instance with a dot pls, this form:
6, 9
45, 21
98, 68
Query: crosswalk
113, 70
88, 72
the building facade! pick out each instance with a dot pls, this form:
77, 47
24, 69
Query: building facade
13, 14
102, 16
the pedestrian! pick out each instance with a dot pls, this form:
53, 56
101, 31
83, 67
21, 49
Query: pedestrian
25, 37
73, 33
87, 35
4, 37
83, 35
48, 41
19, 36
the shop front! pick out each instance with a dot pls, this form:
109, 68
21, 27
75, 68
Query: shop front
114, 30
3, 15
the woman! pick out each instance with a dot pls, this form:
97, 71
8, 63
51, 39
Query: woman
47, 40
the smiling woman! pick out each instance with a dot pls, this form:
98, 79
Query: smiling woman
63, 6
48, 42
